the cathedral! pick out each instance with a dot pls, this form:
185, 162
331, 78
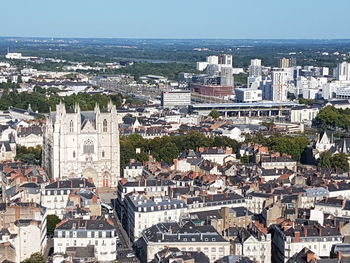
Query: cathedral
83, 144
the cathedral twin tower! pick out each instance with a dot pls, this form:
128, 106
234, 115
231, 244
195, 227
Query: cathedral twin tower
83, 144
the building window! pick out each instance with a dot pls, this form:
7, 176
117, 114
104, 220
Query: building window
73, 154
71, 126
103, 154
88, 147
104, 125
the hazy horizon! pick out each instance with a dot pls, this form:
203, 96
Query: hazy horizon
181, 19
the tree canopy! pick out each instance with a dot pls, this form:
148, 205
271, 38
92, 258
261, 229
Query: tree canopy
214, 114
293, 146
52, 221
167, 148
340, 160
332, 118
30, 155
35, 258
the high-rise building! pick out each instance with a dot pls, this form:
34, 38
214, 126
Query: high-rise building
255, 68
226, 76
83, 144
279, 85
343, 71
287, 62
213, 60
226, 59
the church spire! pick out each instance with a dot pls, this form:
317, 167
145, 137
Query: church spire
76, 107
97, 108
344, 148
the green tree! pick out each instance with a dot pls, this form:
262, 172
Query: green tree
268, 125
35, 258
214, 114
30, 155
169, 152
339, 160
325, 160
306, 101
293, 146
290, 145
244, 159
52, 221
332, 118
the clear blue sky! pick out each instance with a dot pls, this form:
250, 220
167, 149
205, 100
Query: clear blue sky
176, 18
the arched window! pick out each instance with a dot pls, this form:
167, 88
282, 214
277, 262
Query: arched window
88, 147
103, 154
73, 154
71, 126
104, 125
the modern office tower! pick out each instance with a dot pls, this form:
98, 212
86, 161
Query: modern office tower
226, 59
343, 71
255, 68
176, 98
279, 85
226, 76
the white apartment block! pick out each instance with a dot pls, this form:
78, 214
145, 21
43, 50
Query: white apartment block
81, 233
55, 195
185, 238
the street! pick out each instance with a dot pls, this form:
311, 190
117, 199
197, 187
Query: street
124, 246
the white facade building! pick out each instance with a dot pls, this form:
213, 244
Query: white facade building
303, 114
279, 85
255, 68
343, 71
83, 144
27, 231
176, 98
82, 233
248, 95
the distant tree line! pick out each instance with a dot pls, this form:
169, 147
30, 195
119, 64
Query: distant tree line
42, 100
169, 70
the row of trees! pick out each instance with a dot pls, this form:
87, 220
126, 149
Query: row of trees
42, 100
293, 146
332, 118
167, 148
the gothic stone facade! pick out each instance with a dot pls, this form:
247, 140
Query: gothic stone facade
83, 144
